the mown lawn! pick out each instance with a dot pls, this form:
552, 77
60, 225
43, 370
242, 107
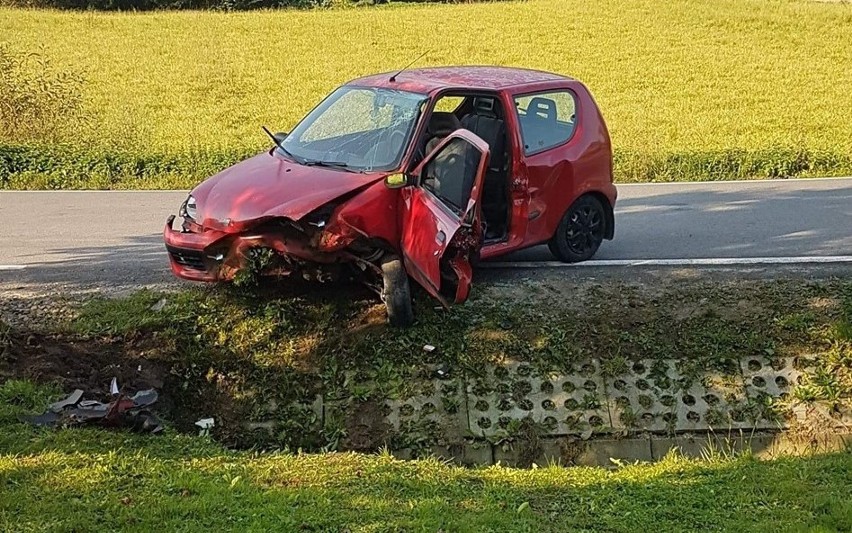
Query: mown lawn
691, 89
94, 480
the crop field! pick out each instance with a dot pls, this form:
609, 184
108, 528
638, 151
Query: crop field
691, 89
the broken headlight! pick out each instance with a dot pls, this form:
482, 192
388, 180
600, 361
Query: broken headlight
189, 208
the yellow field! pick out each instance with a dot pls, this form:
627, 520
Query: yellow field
672, 76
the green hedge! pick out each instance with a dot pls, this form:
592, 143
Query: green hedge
71, 167
730, 164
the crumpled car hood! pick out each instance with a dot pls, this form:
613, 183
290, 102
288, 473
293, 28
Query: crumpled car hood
266, 186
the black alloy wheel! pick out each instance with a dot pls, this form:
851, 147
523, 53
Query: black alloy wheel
580, 232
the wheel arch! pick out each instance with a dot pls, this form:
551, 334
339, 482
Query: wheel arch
609, 230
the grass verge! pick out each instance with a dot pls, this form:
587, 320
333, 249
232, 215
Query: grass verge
266, 357
86, 480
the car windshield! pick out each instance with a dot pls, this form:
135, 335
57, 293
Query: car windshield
359, 129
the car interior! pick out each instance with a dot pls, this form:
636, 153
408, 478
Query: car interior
484, 116
541, 126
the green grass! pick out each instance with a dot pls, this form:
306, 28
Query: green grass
234, 352
95, 480
710, 324
690, 89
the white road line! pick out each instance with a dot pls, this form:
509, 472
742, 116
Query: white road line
12, 267
718, 261
722, 182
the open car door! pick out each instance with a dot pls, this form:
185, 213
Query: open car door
441, 221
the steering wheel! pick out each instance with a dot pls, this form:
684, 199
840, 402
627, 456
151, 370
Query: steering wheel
382, 150
394, 143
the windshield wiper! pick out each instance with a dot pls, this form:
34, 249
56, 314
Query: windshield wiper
330, 164
279, 145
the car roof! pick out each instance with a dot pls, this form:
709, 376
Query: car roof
427, 80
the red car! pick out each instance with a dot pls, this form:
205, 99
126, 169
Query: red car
419, 174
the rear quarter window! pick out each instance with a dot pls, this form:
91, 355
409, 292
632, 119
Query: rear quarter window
546, 119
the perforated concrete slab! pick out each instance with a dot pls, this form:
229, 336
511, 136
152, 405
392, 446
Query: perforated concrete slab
663, 397
573, 403
775, 377
658, 396
649, 395
439, 407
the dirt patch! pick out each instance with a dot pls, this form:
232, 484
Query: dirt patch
743, 310
87, 364
138, 363
366, 427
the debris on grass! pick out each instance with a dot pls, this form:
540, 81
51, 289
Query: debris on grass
122, 411
259, 360
206, 424
73, 399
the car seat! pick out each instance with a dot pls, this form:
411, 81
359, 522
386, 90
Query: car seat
484, 122
441, 124
539, 123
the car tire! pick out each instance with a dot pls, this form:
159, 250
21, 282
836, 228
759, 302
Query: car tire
396, 292
580, 232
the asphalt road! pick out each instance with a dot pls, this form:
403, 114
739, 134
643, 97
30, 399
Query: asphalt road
114, 237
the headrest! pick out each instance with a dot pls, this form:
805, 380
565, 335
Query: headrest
443, 123
544, 108
483, 106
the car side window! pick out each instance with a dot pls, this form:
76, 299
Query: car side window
546, 119
451, 173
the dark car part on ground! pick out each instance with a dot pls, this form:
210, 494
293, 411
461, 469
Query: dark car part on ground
121, 411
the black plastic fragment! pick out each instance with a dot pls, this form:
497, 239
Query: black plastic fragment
122, 411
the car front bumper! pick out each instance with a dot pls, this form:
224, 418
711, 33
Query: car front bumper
195, 256
217, 256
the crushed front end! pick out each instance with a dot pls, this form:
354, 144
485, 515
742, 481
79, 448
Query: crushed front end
318, 247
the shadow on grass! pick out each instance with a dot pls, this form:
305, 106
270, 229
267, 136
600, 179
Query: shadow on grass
266, 356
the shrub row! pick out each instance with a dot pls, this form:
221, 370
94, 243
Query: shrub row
38, 166
730, 164
71, 167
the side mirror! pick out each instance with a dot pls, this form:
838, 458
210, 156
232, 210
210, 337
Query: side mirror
396, 181
280, 136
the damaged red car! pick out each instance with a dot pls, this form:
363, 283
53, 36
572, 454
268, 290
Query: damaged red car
415, 175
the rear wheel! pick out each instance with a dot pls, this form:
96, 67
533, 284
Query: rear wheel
396, 292
580, 232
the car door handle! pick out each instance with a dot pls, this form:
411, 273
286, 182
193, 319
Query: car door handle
441, 237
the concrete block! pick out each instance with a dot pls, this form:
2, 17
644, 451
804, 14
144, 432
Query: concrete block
786, 444
570, 403
478, 453
697, 446
569, 451
601, 452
